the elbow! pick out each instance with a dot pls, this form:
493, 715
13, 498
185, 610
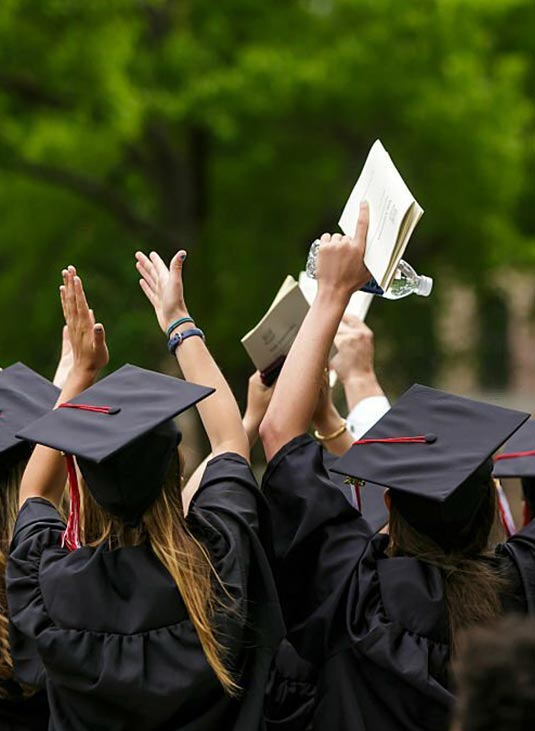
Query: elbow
271, 436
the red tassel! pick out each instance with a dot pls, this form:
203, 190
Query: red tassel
420, 439
71, 536
88, 407
513, 455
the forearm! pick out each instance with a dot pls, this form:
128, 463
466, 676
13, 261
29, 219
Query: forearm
331, 423
296, 392
251, 426
219, 413
45, 474
360, 386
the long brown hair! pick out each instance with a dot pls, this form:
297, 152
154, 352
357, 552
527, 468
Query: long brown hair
164, 527
472, 582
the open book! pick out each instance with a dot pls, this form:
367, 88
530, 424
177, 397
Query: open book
394, 214
269, 342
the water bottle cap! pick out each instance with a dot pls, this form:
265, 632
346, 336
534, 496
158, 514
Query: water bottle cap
425, 285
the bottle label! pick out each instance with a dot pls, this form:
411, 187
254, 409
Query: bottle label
372, 287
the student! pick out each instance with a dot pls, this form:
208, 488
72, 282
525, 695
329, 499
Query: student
157, 622
495, 674
24, 396
518, 461
379, 615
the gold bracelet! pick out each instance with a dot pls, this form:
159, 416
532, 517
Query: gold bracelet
333, 435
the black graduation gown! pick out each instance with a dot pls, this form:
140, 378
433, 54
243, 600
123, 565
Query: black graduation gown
291, 692
23, 714
118, 648
375, 627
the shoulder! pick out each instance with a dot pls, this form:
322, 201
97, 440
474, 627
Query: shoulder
228, 498
35, 516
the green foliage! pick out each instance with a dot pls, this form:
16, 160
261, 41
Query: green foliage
238, 129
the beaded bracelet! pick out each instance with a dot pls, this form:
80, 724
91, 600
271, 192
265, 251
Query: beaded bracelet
176, 323
179, 338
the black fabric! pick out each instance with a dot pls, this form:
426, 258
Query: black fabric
522, 441
464, 434
113, 633
139, 401
23, 714
291, 692
376, 628
127, 483
24, 397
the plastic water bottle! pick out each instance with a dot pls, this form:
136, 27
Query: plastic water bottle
406, 281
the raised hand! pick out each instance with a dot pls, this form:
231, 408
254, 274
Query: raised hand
162, 286
87, 338
65, 360
354, 343
340, 266
258, 398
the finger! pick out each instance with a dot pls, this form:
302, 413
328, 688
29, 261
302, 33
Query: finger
325, 238
92, 316
177, 262
63, 302
159, 265
148, 275
362, 223
99, 336
70, 297
336, 238
151, 296
80, 299
145, 263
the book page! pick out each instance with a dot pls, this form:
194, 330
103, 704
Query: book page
389, 199
276, 331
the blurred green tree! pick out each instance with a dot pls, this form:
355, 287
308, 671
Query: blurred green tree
237, 130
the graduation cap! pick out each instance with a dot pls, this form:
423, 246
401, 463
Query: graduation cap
518, 456
24, 397
433, 449
122, 434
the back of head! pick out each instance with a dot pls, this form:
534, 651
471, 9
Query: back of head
495, 675
162, 525
423, 529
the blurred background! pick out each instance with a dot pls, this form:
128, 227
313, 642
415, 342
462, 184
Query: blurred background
237, 129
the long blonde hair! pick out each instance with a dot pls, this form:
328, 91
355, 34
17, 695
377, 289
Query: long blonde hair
472, 583
164, 527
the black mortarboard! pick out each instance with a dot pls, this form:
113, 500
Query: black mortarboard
433, 449
24, 397
122, 434
518, 456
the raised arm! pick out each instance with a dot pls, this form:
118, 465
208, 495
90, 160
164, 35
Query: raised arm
330, 429
353, 362
45, 474
219, 413
341, 272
